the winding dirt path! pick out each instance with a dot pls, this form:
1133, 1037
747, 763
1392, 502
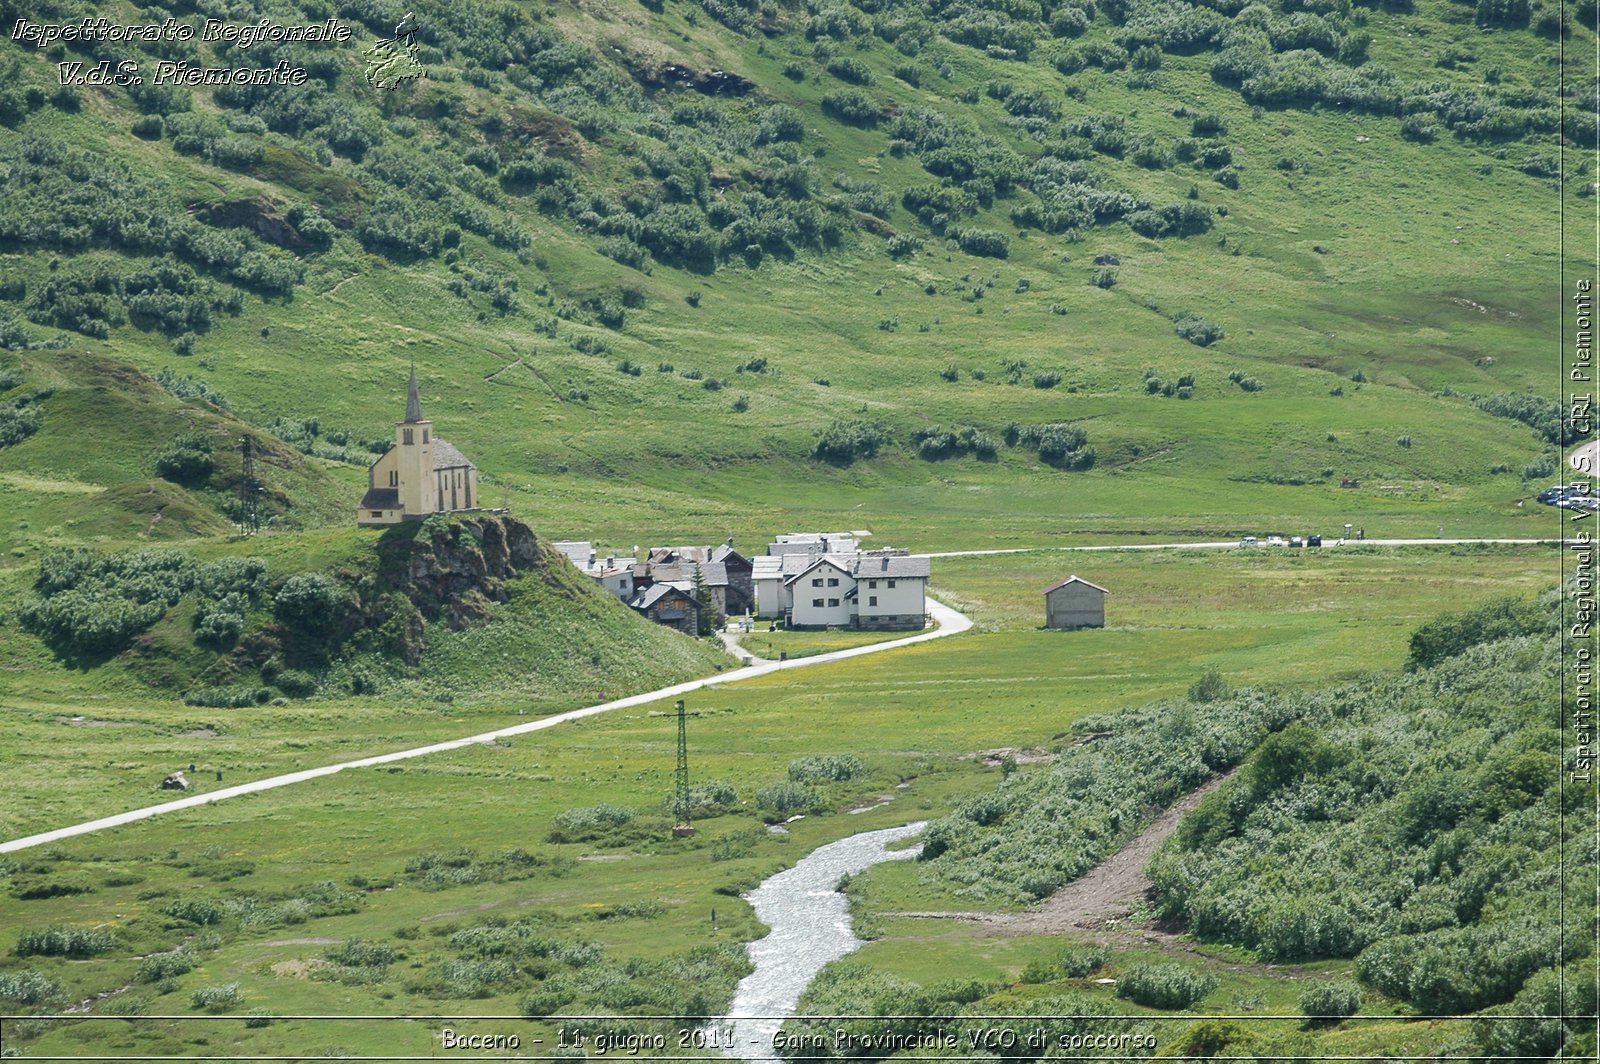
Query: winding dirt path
1099, 898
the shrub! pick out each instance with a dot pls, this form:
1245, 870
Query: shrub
295, 683
186, 460
1197, 330
827, 768
589, 822
851, 69
1331, 1001
851, 106
844, 441
311, 602
1453, 633
354, 953
161, 966
787, 798
1079, 962
986, 242
901, 246
200, 911
218, 998
1210, 687
1165, 986
27, 987
1046, 381
59, 941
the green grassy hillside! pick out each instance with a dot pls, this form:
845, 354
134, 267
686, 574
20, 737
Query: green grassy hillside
552, 204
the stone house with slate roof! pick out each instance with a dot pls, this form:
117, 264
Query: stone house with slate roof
420, 475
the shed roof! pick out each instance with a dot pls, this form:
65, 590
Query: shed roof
1075, 580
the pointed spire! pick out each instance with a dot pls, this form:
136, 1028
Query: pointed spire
413, 400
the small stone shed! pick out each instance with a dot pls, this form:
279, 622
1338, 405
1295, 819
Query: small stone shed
1075, 603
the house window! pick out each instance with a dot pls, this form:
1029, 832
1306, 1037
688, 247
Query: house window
872, 584
833, 581
891, 583
833, 602
817, 582
405, 437
377, 513
872, 600
816, 602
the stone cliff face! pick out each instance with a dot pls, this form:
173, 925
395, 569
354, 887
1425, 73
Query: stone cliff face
452, 568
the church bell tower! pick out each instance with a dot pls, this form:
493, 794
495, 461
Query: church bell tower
414, 441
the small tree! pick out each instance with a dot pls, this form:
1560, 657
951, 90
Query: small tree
702, 598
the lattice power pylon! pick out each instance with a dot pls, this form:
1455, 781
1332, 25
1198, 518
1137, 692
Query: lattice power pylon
683, 828
249, 490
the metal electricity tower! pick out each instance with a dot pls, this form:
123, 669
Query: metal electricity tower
249, 490
683, 828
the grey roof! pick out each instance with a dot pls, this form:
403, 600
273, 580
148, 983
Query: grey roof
656, 592
715, 574
837, 561
445, 455
768, 566
578, 551
813, 543
1075, 580
673, 555
862, 566
381, 499
413, 400
895, 565
724, 551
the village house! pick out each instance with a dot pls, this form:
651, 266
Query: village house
722, 569
614, 574
856, 589
421, 474
669, 604
1075, 603
787, 555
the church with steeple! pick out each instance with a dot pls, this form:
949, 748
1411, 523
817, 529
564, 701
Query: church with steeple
420, 475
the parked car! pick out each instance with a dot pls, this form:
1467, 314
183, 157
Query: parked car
1576, 489
1296, 541
1313, 540
1274, 541
1247, 541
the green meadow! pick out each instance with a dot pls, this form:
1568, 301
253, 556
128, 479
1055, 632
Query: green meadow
918, 717
650, 313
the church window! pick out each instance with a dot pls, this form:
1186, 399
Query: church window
424, 435
394, 478
405, 437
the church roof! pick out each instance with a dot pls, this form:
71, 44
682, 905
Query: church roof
413, 400
445, 456
381, 499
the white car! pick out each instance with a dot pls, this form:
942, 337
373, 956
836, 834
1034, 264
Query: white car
1274, 541
1247, 541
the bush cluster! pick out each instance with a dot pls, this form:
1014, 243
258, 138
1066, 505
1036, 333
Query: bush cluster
826, 768
60, 941
1165, 986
